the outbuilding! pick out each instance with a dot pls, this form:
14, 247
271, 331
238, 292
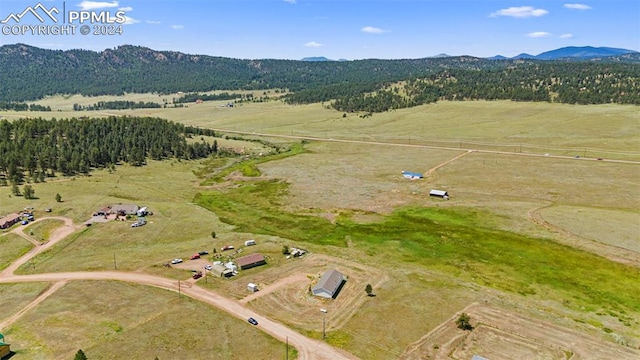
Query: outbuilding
5, 349
220, 270
252, 287
329, 285
412, 175
249, 261
439, 193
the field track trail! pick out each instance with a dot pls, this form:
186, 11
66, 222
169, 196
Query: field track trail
57, 235
308, 349
43, 296
611, 252
467, 150
433, 169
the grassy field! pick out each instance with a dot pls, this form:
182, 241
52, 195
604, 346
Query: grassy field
12, 247
349, 201
42, 229
613, 227
608, 131
15, 297
135, 322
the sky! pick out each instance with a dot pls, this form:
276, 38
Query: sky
336, 29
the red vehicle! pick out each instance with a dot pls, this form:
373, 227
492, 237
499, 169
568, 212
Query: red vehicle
227, 247
195, 256
197, 275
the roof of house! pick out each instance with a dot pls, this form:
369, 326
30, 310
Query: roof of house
250, 259
127, 208
218, 269
330, 281
10, 218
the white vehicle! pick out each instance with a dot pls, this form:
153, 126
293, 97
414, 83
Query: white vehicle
176, 261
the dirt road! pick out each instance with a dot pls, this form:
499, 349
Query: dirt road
307, 348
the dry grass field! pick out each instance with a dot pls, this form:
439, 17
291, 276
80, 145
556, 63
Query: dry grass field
11, 247
592, 205
134, 322
501, 334
608, 131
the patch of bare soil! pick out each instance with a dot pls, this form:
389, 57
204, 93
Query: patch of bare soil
502, 334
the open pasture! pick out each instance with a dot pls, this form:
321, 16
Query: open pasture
12, 247
135, 322
607, 131
500, 333
344, 187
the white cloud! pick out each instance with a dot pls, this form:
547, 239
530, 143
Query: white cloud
566, 36
177, 27
538, 34
129, 20
153, 22
93, 5
577, 6
520, 12
372, 30
290, 1
126, 8
313, 44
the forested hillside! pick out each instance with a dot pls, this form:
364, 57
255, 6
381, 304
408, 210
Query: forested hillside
30, 73
39, 148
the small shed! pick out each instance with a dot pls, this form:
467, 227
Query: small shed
5, 349
412, 175
252, 287
249, 261
439, 193
329, 285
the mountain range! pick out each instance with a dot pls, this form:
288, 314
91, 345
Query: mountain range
569, 52
30, 73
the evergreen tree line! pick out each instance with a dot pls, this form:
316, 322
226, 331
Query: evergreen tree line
40, 148
571, 83
118, 105
20, 106
29, 73
188, 98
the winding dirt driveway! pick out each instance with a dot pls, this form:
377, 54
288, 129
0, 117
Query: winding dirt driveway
307, 348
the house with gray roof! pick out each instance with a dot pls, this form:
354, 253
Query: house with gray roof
329, 285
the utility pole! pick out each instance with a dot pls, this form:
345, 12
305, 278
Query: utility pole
115, 264
324, 321
179, 294
287, 349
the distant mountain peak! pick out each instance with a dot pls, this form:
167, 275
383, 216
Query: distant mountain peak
441, 55
574, 52
316, 58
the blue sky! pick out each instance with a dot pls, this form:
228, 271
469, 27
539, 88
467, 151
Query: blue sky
343, 29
